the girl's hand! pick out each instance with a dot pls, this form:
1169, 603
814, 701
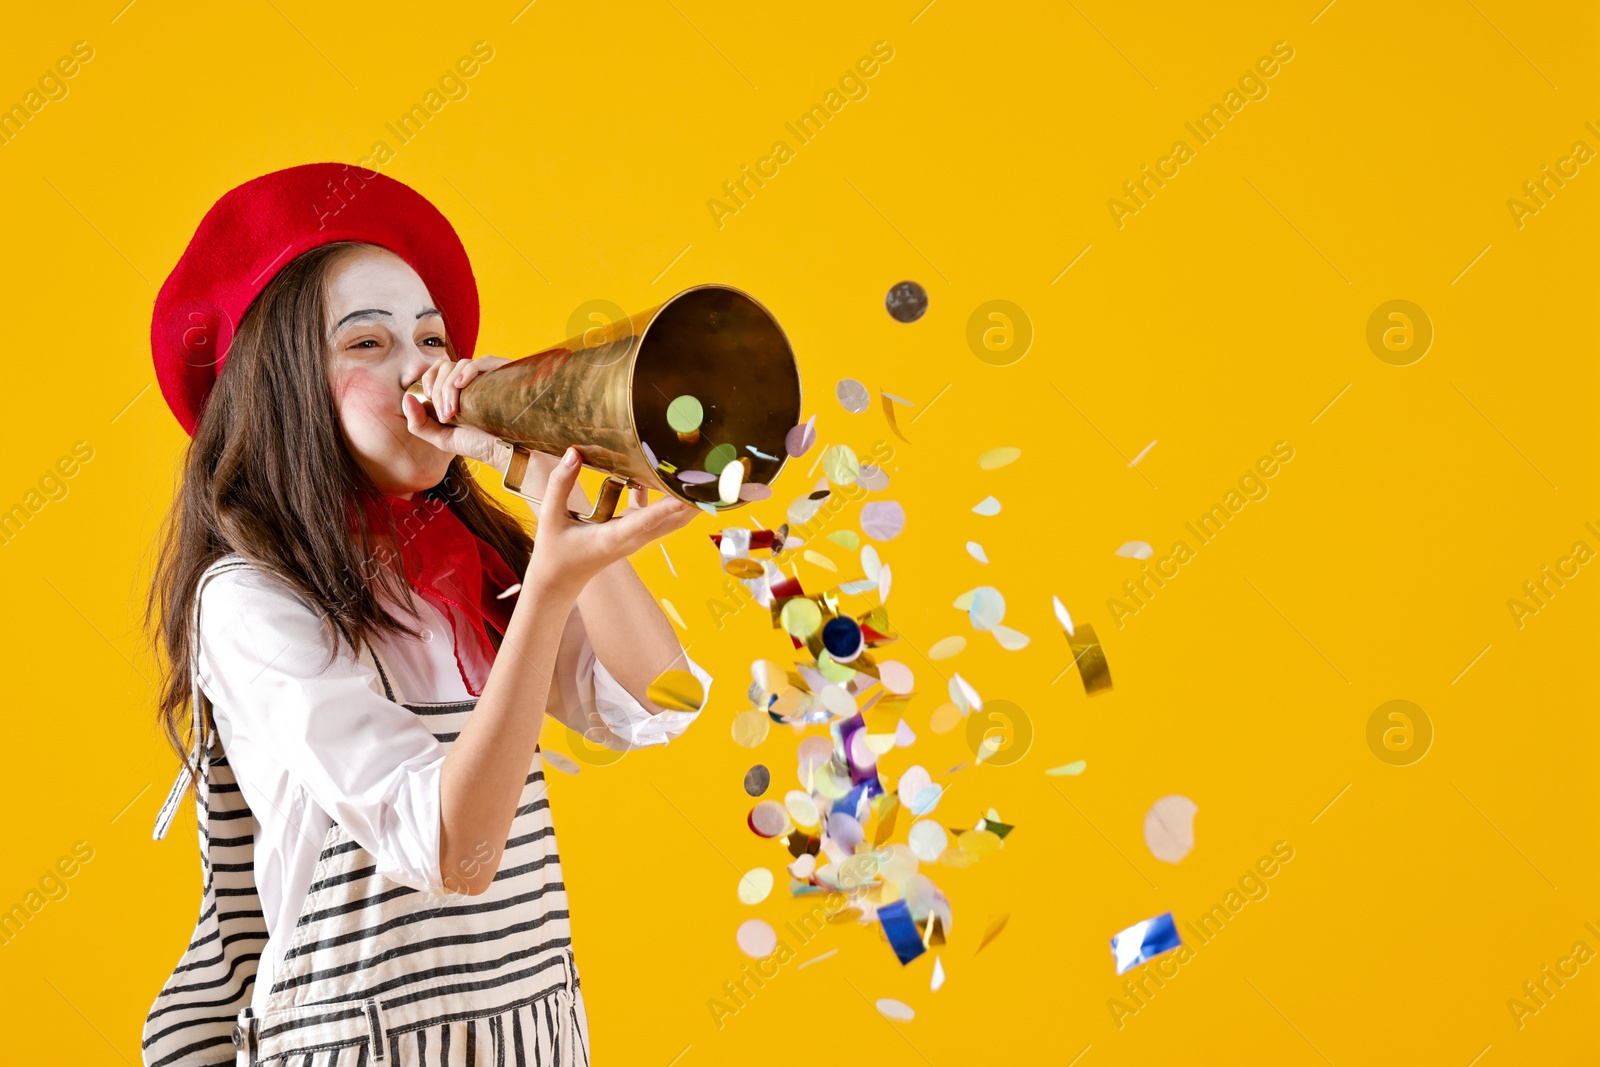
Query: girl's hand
567, 552
443, 382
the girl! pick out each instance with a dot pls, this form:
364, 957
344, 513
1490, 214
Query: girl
338, 603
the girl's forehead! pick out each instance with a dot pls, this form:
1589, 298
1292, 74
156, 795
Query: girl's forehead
375, 278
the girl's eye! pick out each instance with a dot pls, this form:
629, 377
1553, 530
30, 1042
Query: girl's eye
365, 341
436, 342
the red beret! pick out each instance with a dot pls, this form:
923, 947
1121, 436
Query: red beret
256, 229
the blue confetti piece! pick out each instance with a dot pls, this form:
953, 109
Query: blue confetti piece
901, 931
1144, 941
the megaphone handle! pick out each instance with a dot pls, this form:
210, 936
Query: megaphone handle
605, 505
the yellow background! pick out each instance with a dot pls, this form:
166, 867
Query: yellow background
1226, 315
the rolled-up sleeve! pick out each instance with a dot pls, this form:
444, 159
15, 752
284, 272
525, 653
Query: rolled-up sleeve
590, 700
368, 762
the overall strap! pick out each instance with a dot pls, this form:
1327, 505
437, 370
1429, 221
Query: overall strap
169, 807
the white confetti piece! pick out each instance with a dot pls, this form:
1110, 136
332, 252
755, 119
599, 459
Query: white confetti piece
1062, 616
1136, 550
897, 1010
1169, 828
987, 506
883, 520
975, 550
938, 975
756, 939
1075, 767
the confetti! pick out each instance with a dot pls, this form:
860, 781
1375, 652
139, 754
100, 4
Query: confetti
946, 647
996, 458
672, 613
768, 819
731, 480
894, 423
945, 718
756, 939
845, 539
897, 1010
1090, 658
1141, 454
513, 590
798, 441
987, 506
757, 779
1075, 767
938, 975
1136, 550
755, 886
819, 560
896, 676
840, 465
853, 396
906, 301
986, 607
928, 840
871, 476
1169, 828
901, 931
882, 520
975, 550
1144, 941
561, 762
1061, 614
996, 924
750, 728
1010, 640
685, 415
818, 959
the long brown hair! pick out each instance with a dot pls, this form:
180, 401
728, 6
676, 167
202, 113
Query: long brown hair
268, 475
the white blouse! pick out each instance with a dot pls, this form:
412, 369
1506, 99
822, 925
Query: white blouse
309, 745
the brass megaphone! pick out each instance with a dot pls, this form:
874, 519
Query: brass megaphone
608, 392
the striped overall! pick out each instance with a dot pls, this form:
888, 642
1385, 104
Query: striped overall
376, 973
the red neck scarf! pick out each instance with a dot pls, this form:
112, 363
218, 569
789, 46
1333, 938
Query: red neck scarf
455, 570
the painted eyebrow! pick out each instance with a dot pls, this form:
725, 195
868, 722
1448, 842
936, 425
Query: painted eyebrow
369, 313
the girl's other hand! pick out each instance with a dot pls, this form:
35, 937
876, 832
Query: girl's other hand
568, 552
443, 382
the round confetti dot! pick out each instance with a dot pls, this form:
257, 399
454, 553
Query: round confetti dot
719, 457
906, 302
988, 607
927, 840
840, 465
685, 414
842, 638
801, 617
944, 718
896, 677
1169, 828
767, 819
882, 520
757, 939
750, 728
757, 779
802, 809
798, 441
853, 396
947, 647
897, 1010
755, 885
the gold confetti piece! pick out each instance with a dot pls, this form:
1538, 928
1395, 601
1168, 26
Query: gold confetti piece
996, 924
1075, 767
980, 842
750, 728
996, 458
560, 761
672, 613
745, 568
1091, 659
845, 539
677, 690
1169, 828
947, 647
894, 424
887, 816
819, 560
945, 718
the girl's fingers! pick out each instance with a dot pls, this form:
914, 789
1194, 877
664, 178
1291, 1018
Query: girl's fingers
558, 488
